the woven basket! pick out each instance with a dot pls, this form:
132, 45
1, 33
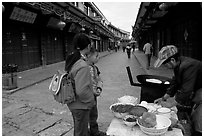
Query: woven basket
162, 126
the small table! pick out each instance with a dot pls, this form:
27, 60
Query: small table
118, 128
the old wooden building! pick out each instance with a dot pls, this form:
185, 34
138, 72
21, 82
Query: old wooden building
40, 33
170, 23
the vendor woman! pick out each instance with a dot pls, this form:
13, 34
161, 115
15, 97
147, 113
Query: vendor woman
186, 85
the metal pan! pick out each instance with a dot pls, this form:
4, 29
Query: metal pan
149, 91
143, 80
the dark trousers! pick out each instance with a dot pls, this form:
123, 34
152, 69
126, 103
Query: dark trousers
184, 118
123, 49
81, 121
129, 54
148, 60
93, 116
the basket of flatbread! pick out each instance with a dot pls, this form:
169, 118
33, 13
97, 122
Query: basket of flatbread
152, 124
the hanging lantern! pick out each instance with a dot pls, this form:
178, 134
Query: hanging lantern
82, 29
3, 8
61, 25
163, 6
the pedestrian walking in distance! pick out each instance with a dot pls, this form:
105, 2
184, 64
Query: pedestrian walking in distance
124, 48
133, 47
128, 50
148, 52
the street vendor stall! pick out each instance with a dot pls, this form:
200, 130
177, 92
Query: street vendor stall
117, 127
139, 116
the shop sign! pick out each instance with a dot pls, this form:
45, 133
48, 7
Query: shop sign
23, 15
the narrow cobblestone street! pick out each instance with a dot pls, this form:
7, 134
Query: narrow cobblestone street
153, 39
33, 111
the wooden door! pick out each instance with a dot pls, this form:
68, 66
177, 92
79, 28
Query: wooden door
53, 45
21, 45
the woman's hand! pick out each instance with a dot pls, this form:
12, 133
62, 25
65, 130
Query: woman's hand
164, 98
166, 104
158, 101
170, 102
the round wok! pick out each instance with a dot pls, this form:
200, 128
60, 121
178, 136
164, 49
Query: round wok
151, 91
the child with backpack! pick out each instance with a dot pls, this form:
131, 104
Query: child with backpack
97, 84
77, 65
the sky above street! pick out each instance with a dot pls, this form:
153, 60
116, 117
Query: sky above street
121, 14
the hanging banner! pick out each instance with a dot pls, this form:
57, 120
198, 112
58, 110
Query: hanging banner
22, 15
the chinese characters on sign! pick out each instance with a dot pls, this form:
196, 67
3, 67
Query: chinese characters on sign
23, 15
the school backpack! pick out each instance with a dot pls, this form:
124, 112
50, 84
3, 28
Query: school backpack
62, 87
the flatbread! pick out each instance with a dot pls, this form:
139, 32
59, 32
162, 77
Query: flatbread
154, 81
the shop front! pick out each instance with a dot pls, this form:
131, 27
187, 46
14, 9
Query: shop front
20, 38
31, 38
